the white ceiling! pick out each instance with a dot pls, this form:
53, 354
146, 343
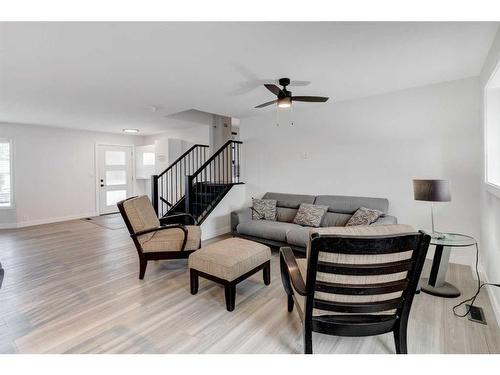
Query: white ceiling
106, 76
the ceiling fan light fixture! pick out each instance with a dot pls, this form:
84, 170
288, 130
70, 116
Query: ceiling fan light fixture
285, 102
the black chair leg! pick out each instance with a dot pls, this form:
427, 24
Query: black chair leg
194, 281
400, 338
267, 273
230, 291
308, 345
290, 303
142, 267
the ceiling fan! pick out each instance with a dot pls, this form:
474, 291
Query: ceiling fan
285, 97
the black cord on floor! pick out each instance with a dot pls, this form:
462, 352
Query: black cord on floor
479, 286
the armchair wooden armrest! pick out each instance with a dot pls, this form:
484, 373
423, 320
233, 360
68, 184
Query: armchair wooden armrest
163, 227
179, 217
290, 268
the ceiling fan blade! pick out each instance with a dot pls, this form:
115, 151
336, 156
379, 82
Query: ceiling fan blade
316, 99
266, 104
274, 89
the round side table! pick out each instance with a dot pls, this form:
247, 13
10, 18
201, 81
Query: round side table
436, 283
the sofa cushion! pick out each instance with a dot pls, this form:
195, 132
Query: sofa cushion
285, 214
270, 230
264, 209
333, 219
290, 200
349, 205
363, 216
310, 215
298, 236
386, 219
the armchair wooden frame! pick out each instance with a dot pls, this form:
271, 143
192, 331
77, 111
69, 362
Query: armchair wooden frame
355, 319
144, 257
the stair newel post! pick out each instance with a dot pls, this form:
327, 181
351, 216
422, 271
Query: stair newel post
189, 194
154, 193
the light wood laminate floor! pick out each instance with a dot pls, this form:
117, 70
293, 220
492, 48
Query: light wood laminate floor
72, 287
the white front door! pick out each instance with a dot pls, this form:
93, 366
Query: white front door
115, 176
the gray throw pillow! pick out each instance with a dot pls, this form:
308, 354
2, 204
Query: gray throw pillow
310, 215
264, 209
364, 216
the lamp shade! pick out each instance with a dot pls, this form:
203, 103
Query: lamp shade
431, 190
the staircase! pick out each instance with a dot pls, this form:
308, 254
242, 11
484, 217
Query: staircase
194, 184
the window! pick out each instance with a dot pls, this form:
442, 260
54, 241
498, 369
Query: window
115, 157
5, 173
492, 131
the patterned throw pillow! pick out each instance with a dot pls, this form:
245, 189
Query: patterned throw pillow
310, 215
264, 209
364, 216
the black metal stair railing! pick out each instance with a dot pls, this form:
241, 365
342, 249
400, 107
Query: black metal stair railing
167, 188
206, 187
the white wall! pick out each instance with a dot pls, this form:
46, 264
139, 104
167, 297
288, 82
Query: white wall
54, 172
490, 203
192, 134
219, 220
374, 147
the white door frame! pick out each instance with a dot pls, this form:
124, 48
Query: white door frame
96, 173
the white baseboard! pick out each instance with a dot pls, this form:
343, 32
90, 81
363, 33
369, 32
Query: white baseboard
495, 303
30, 223
8, 226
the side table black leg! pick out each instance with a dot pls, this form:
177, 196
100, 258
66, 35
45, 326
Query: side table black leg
436, 284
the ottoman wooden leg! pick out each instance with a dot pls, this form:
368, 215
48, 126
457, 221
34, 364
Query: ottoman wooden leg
230, 291
267, 273
193, 274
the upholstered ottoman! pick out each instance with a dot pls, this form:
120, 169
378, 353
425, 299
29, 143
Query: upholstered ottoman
229, 262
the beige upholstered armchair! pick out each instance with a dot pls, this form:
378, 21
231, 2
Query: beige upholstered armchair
355, 281
153, 240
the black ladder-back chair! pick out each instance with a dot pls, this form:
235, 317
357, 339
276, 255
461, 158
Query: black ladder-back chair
351, 317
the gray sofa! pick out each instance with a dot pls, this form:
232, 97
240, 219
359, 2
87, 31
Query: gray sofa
283, 232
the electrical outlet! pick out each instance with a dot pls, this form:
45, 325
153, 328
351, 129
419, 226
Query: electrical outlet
476, 314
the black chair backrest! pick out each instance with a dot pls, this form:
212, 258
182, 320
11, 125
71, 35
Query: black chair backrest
363, 279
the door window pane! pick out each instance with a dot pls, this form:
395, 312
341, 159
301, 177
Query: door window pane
115, 157
116, 178
148, 158
5, 172
114, 196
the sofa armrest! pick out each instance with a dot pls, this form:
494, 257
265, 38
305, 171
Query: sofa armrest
240, 216
386, 219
